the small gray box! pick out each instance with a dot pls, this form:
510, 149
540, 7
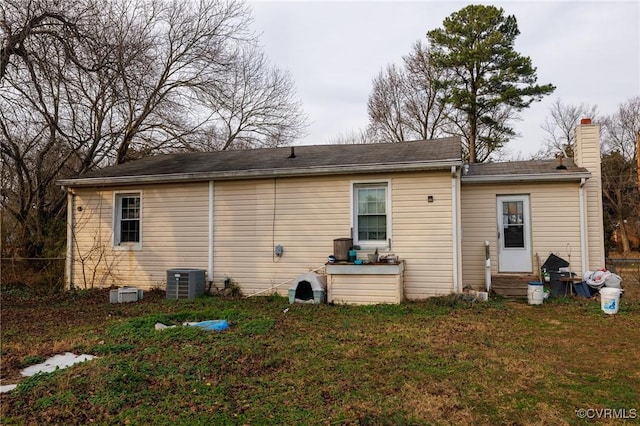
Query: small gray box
125, 295
185, 283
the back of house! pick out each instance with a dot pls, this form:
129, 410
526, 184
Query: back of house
260, 218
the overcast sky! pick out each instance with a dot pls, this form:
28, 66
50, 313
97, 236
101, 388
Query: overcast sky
589, 50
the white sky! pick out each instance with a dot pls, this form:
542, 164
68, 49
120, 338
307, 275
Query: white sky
590, 50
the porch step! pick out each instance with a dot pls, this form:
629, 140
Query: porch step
515, 286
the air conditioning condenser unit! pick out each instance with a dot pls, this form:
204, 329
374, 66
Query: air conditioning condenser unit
185, 283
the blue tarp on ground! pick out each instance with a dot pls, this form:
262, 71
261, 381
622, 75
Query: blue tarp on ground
213, 325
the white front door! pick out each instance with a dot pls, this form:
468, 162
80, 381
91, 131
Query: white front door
514, 229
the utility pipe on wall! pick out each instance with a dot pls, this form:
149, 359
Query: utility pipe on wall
583, 229
454, 225
210, 244
487, 266
70, 219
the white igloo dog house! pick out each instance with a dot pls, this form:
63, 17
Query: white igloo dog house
308, 288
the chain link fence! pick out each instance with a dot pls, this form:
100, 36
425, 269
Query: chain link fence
629, 271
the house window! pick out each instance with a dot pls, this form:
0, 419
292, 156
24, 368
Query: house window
127, 230
371, 215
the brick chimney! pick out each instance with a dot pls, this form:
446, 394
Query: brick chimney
586, 151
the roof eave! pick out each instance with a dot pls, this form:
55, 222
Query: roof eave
260, 173
515, 178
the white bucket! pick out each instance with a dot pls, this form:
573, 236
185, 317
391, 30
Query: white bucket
610, 299
535, 293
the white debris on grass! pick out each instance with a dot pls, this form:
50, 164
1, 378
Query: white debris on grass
161, 326
50, 365
55, 362
7, 388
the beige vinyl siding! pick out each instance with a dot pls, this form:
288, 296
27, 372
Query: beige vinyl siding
365, 289
555, 224
422, 233
174, 221
250, 217
311, 212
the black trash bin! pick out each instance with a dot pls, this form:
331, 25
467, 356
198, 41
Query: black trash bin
552, 265
559, 288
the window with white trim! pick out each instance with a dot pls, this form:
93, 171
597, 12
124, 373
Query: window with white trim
371, 214
127, 226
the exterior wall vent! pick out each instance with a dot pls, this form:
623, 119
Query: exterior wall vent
185, 283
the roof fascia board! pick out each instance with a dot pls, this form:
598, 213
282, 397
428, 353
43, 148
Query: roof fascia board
260, 173
541, 177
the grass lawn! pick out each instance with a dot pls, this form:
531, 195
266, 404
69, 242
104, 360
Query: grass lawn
434, 362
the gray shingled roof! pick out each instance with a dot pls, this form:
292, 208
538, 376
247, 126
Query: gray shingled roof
309, 160
524, 171
324, 160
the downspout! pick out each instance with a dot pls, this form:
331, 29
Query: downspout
487, 266
71, 202
210, 243
455, 225
584, 255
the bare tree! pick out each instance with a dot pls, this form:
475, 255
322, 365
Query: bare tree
43, 42
354, 137
86, 85
184, 48
255, 105
620, 130
405, 103
59, 23
621, 195
559, 127
385, 105
424, 109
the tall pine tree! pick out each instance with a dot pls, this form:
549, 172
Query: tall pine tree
489, 78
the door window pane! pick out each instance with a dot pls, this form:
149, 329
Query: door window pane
513, 224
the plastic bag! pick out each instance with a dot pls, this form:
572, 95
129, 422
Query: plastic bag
602, 278
212, 325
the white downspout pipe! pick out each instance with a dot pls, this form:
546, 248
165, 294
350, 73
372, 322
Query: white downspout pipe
487, 266
584, 255
455, 223
70, 242
210, 242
